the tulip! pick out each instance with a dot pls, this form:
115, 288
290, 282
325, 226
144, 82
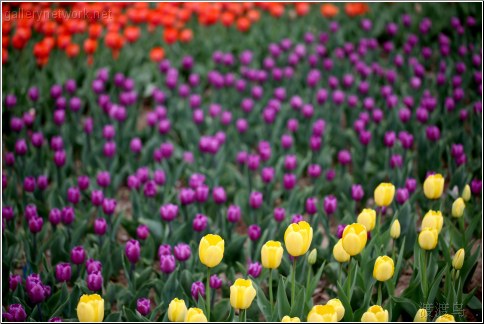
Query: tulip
338, 306
421, 315
15, 313
177, 310
458, 259
182, 251
254, 269
242, 293
143, 306
132, 250
271, 254
63, 272
384, 268
433, 219
297, 238
458, 207
433, 186
428, 238
211, 250
287, 319
94, 281
375, 314
167, 263
395, 229
93, 266
215, 282
330, 203
254, 232
367, 218
90, 308
78, 255
445, 318
383, 194
466, 193
354, 238
198, 290
36, 290
14, 281
200, 222
312, 256
323, 313
195, 315
233, 213
339, 252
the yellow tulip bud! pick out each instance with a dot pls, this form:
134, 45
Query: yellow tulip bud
445, 318
211, 250
433, 186
354, 238
383, 194
242, 293
458, 207
367, 218
271, 254
287, 319
375, 314
421, 315
323, 313
312, 256
466, 193
177, 310
297, 238
395, 229
428, 238
195, 315
433, 219
458, 259
383, 269
339, 252
338, 306
90, 308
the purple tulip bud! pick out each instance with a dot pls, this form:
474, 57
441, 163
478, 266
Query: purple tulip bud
103, 179
9, 158
31, 211
167, 263
219, 195
33, 93
142, 232
55, 216
21, 147
357, 192
182, 252
296, 218
68, 215
14, 281
143, 306
255, 200
83, 182
29, 184
150, 189
136, 145
186, 196
279, 214
401, 195
344, 157
100, 226
164, 249
36, 290
200, 222
15, 313
198, 290
330, 204
341, 228
314, 171
289, 181
215, 282
476, 187
97, 197
169, 212
132, 250
109, 206
93, 266
396, 161
63, 272
290, 162
78, 255
254, 269
73, 195
433, 133
267, 174
457, 150
311, 205
411, 185
253, 162
94, 281
7, 213
254, 232
35, 224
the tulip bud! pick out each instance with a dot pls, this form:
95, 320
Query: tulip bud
287, 319
383, 269
211, 250
63, 272
298, 238
323, 313
428, 238
458, 259
338, 306
445, 318
94, 281
90, 308
339, 252
182, 251
254, 269
143, 306
271, 254
375, 314
198, 289
233, 213
354, 238
466, 193
14, 281
132, 250
78, 255
395, 229
242, 293
433, 186
421, 315
458, 207
367, 218
200, 223
167, 263
254, 232
177, 310
312, 257
433, 219
383, 194
215, 282
195, 315
15, 313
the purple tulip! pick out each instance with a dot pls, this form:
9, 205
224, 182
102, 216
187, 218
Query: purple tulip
142, 232
55, 216
164, 249
200, 222
136, 145
296, 218
396, 161
341, 228
132, 250
31, 211
233, 213
186, 196
29, 184
182, 251
198, 290
167, 263
476, 187
219, 195
143, 306
33, 93
73, 195
93, 266
9, 158
433, 133
389, 138
311, 205
330, 204
344, 157
290, 162
109, 206
402, 195
103, 179
60, 158
36, 290
94, 281
289, 181
63, 272
279, 214
14, 281
169, 212
37, 139
15, 313
357, 192
314, 171
254, 269
97, 197
78, 255
255, 200
55, 319
254, 232
35, 224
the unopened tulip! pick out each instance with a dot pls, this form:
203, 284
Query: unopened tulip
271, 254
383, 194
339, 252
375, 314
458, 207
384, 268
287, 319
297, 238
433, 186
338, 306
323, 313
445, 318
90, 308
195, 315
428, 238
367, 217
395, 229
242, 293
177, 310
458, 259
211, 250
354, 238
466, 193
421, 315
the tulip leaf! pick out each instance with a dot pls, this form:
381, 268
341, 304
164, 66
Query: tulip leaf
434, 287
346, 303
283, 307
155, 311
132, 316
113, 317
298, 307
264, 304
398, 266
221, 310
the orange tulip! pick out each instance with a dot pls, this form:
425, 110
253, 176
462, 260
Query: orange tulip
329, 10
356, 8
157, 54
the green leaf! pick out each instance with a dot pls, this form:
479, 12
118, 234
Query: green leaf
283, 307
346, 303
133, 316
435, 285
262, 302
297, 308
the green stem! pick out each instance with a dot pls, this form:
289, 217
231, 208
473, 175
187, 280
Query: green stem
243, 315
293, 290
270, 288
424, 277
208, 294
379, 294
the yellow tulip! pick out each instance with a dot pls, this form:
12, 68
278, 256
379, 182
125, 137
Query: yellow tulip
375, 314
367, 218
195, 315
338, 306
384, 268
354, 238
421, 315
339, 252
242, 293
433, 219
383, 194
323, 313
297, 238
458, 207
433, 186
445, 318
395, 229
287, 319
90, 308
458, 259
428, 238
466, 193
271, 254
177, 310
211, 250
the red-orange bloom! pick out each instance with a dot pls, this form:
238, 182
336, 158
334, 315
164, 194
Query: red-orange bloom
329, 10
356, 9
186, 35
157, 54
